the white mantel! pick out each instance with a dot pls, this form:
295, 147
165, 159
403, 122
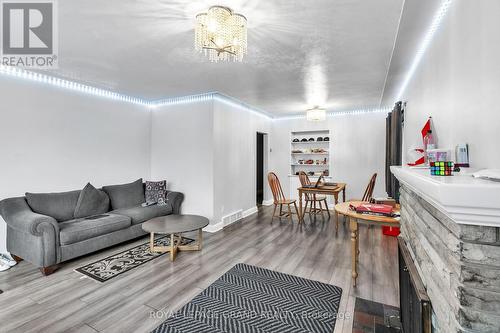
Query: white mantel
463, 198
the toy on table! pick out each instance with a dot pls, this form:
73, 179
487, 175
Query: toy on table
441, 168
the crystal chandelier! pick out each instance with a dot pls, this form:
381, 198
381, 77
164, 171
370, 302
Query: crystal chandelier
316, 114
221, 34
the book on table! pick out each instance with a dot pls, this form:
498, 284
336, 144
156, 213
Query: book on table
373, 209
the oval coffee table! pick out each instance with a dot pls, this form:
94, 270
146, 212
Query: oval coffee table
175, 225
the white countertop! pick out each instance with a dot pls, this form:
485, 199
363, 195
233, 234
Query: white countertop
465, 199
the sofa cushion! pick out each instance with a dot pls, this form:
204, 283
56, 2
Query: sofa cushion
91, 202
125, 195
141, 214
78, 230
60, 206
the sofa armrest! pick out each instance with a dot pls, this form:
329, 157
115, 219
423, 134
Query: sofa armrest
175, 199
19, 216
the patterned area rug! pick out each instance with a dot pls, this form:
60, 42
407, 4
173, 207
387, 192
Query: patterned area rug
112, 266
253, 299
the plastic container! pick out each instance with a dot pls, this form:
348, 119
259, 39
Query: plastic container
390, 231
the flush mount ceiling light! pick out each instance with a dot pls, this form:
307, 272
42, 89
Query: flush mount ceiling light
316, 114
221, 34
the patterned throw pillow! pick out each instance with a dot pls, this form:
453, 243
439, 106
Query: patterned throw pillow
156, 192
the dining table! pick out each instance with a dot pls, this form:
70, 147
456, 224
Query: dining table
324, 189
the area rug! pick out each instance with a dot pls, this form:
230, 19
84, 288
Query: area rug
254, 299
116, 264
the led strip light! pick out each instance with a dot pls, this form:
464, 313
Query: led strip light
436, 22
90, 90
70, 85
339, 113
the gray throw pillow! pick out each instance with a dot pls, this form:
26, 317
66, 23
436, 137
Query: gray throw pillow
91, 202
156, 192
60, 206
125, 195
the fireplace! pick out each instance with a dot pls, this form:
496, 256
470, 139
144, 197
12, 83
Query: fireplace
450, 251
415, 305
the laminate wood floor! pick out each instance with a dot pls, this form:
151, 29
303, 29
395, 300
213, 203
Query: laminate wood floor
68, 302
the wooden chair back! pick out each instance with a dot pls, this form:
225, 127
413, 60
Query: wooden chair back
369, 189
304, 180
274, 184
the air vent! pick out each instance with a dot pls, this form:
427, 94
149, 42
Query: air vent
233, 217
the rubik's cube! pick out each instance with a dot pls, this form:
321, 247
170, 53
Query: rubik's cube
441, 168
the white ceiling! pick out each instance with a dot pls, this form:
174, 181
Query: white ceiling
335, 53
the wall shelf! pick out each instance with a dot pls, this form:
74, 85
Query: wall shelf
327, 154
308, 148
309, 142
309, 165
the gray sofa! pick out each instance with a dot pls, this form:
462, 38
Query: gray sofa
46, 229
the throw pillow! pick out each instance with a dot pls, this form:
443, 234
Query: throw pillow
91, 202
156, 192
60, 206
125, 195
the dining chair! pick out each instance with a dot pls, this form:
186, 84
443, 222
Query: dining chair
312, 199
369, 189
280, 199
367, 196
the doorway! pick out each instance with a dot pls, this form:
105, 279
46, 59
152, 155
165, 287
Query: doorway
260, 167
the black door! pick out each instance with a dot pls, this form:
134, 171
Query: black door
260, 168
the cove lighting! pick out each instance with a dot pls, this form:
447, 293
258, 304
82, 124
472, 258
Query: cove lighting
340, 113
436, 22
89, 90
70, 85
182, 100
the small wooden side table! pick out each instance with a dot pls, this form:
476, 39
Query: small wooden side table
354, 220
175, 225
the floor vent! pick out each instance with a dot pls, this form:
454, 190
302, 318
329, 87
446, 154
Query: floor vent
233, 217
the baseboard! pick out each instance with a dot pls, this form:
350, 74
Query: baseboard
250, 211
214, 227
220, 225
267, 202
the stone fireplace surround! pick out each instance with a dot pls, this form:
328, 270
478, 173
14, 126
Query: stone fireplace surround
458, 263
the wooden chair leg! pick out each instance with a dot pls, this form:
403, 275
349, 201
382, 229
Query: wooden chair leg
290, 213
274, 212
321, 209
326, 207
297, 211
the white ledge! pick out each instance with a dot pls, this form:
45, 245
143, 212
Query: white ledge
463, 198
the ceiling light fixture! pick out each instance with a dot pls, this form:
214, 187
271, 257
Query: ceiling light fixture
221, 34
316, 114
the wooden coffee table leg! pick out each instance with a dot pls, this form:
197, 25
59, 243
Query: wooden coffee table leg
152, 242
173, 247
193, 246
200, 239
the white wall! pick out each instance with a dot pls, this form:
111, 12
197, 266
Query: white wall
458, 82
56, 140
207, 151
358, 150
235, 135
182, 153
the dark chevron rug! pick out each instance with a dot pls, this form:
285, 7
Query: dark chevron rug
116, 264
254, 299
